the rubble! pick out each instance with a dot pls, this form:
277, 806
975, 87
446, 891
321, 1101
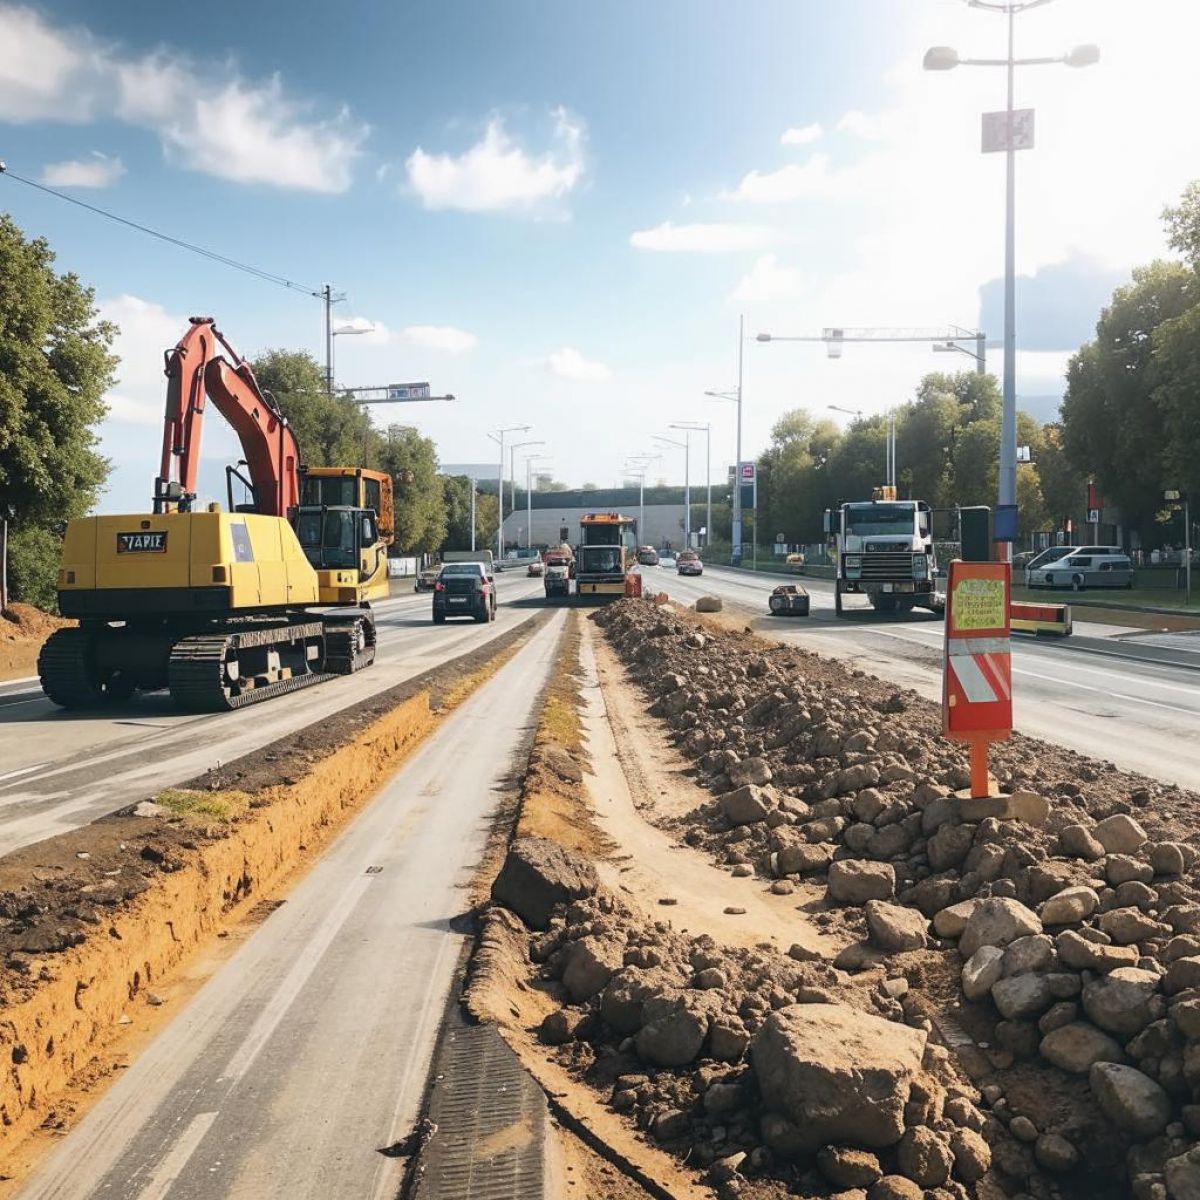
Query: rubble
1062, 932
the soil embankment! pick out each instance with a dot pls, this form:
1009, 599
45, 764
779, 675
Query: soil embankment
23, 631
99, 923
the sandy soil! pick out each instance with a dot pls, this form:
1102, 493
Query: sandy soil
641, 780
23, 630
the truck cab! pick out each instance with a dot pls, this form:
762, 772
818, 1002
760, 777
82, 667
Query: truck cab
885, 552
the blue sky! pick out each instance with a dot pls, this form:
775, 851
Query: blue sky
557, 211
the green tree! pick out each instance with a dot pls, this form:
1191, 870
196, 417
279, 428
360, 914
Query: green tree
55, 366
1115, 427
411, 460
793, 483
332, 431
456, 492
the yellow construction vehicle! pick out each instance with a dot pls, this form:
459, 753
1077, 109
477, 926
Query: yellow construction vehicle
224, 608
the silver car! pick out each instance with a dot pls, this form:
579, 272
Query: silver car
1080, 570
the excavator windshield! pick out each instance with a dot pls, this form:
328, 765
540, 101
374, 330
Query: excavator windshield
333, 537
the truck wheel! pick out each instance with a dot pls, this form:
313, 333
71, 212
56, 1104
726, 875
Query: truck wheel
777, 604
439, 618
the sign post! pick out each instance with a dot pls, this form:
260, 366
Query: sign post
977, 677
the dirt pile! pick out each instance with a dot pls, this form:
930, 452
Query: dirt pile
766, 1071
1059, 923
23, 629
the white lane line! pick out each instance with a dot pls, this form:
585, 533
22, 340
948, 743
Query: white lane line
172, 1165
22, 771
1083, 687
275, 1009
18, 703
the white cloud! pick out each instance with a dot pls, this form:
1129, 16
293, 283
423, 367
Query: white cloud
568, 363
99, 171
499, 175
440, 337
145, 330
789, 183
767, 281
803, 135
872, 128
209, 121
45, 73
713, 238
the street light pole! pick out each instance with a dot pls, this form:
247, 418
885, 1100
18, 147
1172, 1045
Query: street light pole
512, 485
705, 428
498, 437
530, 459
687, 484
945, 58
736, 516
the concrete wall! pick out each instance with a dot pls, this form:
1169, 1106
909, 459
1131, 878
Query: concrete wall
664, 523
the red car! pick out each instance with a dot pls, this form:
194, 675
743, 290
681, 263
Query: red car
688, 563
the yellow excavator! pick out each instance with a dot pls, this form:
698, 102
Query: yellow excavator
223, 607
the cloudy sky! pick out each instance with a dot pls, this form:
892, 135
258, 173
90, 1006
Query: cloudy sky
558, 211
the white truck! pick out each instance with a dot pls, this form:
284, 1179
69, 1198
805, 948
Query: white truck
885, 552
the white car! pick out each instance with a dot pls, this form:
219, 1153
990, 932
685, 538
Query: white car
1084, 570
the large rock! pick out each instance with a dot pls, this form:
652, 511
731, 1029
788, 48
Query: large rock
1022, 995
892, 927
1183, 1175
952, 920
749, 770
853, 882
1079, 842
1119, 834
997, 921
838, 1075
1130, 1100
982, 970
590, 963
801, 858
626, 992
1124, 1001
924, 1157
949, 846
1077, 1046
1070, 906
537, 875
673, 1030
708, 604
848, 1168
746, 805
1020, 806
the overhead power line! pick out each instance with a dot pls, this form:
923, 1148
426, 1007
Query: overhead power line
204, 252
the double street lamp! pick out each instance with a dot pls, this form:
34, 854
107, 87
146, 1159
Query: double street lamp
685, 446
498, 436
705, 428
735, 555
1014, 133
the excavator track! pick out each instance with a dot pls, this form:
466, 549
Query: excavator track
349, 647
66, 673
200, 678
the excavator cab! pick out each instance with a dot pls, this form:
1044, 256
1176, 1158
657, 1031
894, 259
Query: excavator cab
343, 546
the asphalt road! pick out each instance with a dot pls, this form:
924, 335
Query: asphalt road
306, 1054
60, 770
1100, 700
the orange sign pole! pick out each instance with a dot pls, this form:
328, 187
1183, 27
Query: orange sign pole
977, 676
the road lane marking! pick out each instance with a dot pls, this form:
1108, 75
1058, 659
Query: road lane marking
23, 771
18, 703
1083, 687
285, 995
172, 1165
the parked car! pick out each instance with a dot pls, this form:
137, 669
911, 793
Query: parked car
464, 589
688, 563
1107, 568
647, 556
425, 579
536, 567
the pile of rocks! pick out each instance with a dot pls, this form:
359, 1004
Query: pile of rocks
1078, 931
752, 1064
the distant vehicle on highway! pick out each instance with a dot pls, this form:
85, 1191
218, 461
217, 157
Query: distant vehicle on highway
688, 563
1082, 570
426, 579
464, 589
647, 556
536, 567
1040, 563
667, 559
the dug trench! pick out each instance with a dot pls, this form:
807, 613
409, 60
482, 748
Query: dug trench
749, 937
102, 928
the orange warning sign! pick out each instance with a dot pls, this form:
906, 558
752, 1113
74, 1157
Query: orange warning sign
977, 681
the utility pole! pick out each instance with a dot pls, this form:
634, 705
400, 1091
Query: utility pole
472, 513
736, 550
498, 437
327, 297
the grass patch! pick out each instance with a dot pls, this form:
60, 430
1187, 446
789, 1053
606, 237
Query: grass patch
214, 806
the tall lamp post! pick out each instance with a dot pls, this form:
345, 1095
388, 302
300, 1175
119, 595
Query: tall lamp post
344, 331
705, 428
1013, 132
512, 484
640, 465
735, 552
890, 454
498, 436
530, 459
685, 446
